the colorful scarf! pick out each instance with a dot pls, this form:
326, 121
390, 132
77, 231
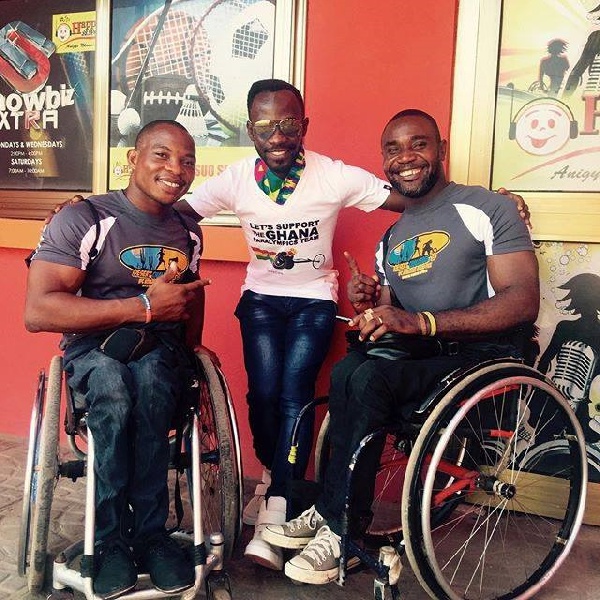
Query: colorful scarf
278, 189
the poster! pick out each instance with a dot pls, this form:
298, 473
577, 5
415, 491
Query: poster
547, 121
569, 334
192, 61
46, 105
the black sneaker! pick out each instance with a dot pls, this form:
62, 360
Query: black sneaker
168, 564
115, 571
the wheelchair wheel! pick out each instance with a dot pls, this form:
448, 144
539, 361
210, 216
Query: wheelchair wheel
220, 468
514, 519
35, 426
41, 477
385, 527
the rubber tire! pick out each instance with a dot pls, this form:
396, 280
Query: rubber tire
220, 594
47, 476
221, 507
30, 484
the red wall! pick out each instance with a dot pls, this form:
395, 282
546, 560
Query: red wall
364, 62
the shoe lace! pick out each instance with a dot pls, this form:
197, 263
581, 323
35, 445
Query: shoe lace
324, 544
308, 518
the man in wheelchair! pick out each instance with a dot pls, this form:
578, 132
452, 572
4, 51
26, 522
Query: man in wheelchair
459, 284
104, 275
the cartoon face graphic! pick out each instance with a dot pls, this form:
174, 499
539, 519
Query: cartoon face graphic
543, 127
63, 33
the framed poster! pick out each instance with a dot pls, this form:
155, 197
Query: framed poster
192, 61
188, 60
526, 108
47, 52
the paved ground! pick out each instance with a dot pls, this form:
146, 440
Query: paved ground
579, 578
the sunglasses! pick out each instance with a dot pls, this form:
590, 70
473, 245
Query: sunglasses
265, 128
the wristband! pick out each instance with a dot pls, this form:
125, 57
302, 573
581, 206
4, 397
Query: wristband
432, 323
146, 302
422, 324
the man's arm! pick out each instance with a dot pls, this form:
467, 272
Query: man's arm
515, 279
513, 276
52, 303
396, 203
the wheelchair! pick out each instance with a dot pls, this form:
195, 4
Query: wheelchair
482, 487
205, 452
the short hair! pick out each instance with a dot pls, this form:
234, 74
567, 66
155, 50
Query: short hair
415, 112
273, 85
150, 127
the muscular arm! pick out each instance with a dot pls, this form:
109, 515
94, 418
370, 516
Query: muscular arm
52, 303
515, 280
396, 203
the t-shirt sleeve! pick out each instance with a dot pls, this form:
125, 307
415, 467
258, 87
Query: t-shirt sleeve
510, 232
361, 189
213, 195
68, 238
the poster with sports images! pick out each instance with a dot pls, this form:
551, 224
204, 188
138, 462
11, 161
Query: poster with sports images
46, 69
569, 342
547, 123
192, 61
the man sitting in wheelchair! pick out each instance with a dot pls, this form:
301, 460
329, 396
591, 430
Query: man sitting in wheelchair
103, 275
459, 278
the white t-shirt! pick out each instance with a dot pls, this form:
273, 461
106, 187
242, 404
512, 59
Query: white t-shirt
290, 245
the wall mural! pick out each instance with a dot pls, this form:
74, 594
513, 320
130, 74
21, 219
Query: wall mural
569, 337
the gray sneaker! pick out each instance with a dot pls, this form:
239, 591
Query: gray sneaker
319, 562
295, 533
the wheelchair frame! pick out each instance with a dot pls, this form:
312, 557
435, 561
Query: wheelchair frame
466, 456
207, 448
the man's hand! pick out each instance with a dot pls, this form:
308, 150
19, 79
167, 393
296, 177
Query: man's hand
74, 200
171, 302
521, 205
363, 291
374, 322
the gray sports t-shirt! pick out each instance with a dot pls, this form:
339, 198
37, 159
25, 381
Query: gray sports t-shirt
134, 247
435, 254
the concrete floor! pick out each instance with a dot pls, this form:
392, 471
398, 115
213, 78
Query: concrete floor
579, 577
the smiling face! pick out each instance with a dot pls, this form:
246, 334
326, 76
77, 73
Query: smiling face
279, 151
163, 167
543, 128
412, 156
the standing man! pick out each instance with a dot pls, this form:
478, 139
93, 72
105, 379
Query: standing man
106, 300
459, 267
288, 200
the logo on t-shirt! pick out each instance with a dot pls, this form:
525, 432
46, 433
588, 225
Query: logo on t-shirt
149, 262
416, 255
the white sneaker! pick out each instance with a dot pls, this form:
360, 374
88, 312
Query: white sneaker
259, 551
297, 532
319, 562
250, 512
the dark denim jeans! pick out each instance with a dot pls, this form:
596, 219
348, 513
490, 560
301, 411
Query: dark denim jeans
369, 393
130, 411
285, 343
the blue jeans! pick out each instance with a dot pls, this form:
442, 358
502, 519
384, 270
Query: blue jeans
131, 407
285, 342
